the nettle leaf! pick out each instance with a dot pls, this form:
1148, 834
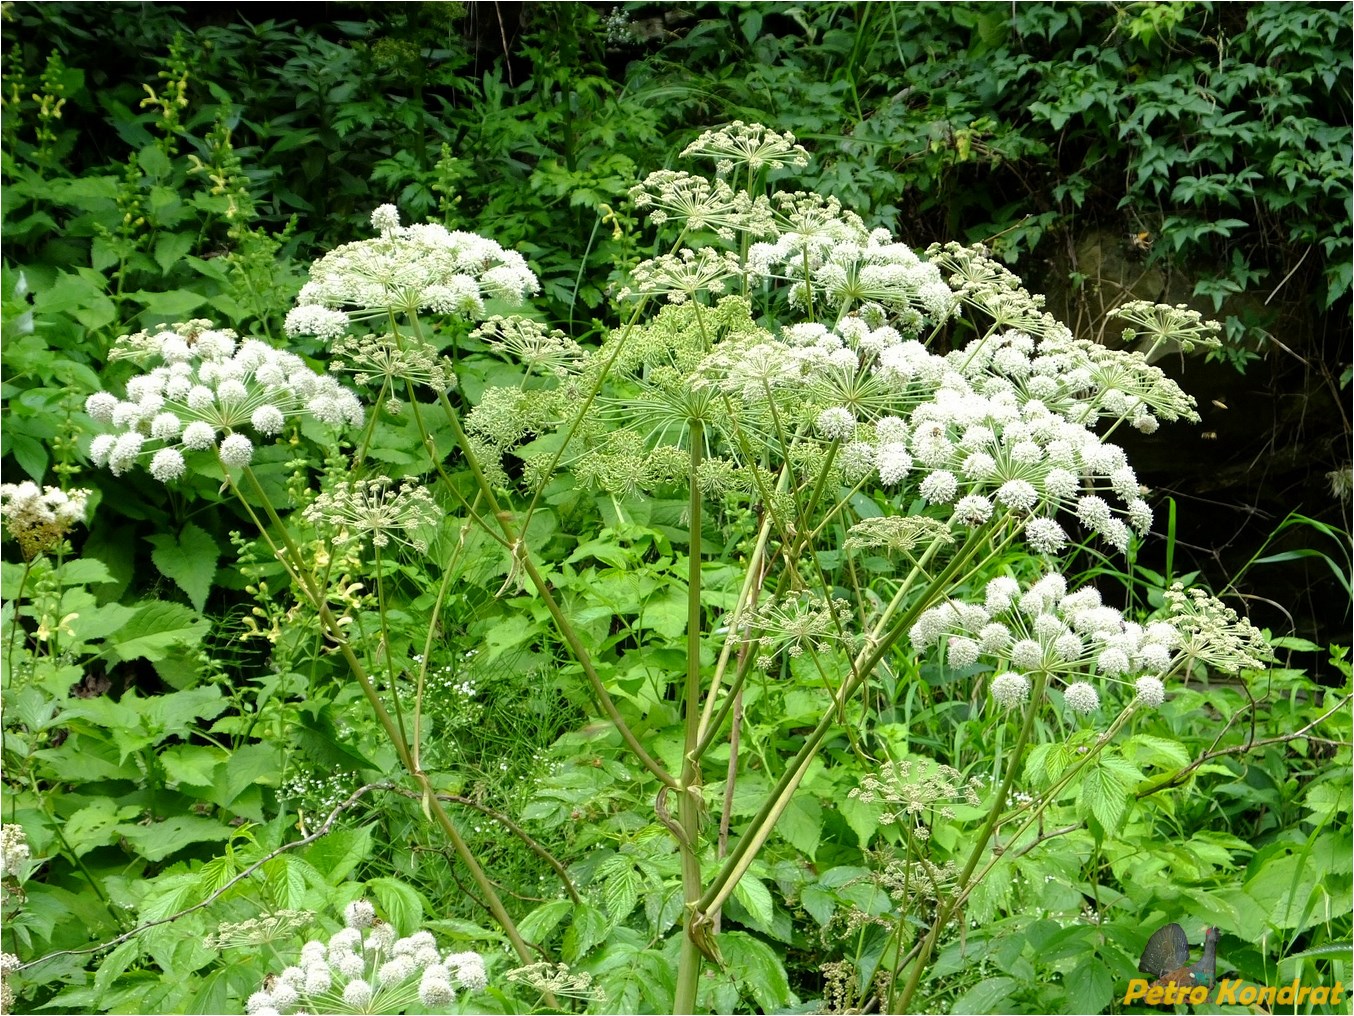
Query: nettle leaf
755, 897
156, 629
188, 560
1104, 795
802, 825
757, 969
398, 903
620, 892
337, 854
589, 927
537, 925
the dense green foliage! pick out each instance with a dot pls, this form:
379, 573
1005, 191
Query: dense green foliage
179, 706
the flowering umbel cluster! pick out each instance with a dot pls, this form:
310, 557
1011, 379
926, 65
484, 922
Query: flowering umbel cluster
210, 391
1044, 628
40, 517
404, 270
366, 968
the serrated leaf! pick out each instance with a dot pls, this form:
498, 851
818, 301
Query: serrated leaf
95, 825
1089, 987
155, 629
158, 840
819, 903
170, 248
802, 825
337, 854
188, 560
193, 764
537, 925
589, 927
1104, 795
758, 969
756, 898
620, 893
990, 995
399, 904
84, 571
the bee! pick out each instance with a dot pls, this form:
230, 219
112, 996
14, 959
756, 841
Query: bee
1141, 242
1209, 435
1219, 403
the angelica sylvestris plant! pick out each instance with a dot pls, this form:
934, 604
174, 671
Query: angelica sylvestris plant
848, 438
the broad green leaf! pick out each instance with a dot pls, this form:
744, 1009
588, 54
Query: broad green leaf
397, 903
170, 248
589, 927
802, 824
620, 893
194, 764
338, 853
155, 629
95, 825
758, 969
753, 894
990, 995
819, 903
537, 925
158, 840
189, 560
1090, 986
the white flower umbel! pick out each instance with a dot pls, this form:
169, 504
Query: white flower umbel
40, 517
209, 391
747, 145
1067, 636
358, 509
378, 972
406, 270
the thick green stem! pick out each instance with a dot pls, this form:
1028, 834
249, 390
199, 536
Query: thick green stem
877, 645
688, 808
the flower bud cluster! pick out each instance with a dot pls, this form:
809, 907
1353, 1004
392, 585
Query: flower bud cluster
365, 967
40, 517
1044, 628
407, 269
209, 392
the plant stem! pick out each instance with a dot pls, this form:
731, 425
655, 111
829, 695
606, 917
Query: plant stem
946, 910
292, 558
522, 559
688, 806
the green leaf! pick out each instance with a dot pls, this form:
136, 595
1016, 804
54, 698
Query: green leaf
188, 560
1090, 987
537, 925
990, 995
193, 764
155, 629
170, 248
338, 853
95, 825
400, 905
589, 927
620, 893
158, 840
756, 898
819, 903
758, 969
802, 825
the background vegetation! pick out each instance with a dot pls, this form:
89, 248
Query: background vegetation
1181, 153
